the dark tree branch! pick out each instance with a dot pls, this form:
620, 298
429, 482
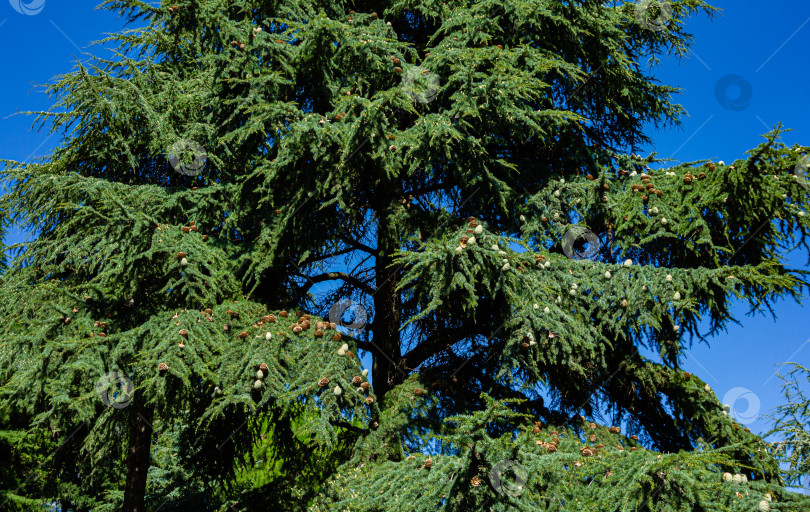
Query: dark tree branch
333, 276
316, 259
357, 245
438, 341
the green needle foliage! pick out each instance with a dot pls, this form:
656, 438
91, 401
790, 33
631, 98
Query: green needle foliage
221, 163
792, 423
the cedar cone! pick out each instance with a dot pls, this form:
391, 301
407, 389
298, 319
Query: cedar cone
398, 69
297, 328
323, 382
242, 334
634, 437
185, 229
356, 380
266, 318
319, 333
592, 438
205, 238
592, 425
183, 333
163, 368
181, 255
614, 430
233, 314
263, 367
282, 314
365, 386
336, 337
369, 400
418, 391
208, 311
396, 61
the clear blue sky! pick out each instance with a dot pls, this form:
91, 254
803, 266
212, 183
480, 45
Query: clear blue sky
758, 42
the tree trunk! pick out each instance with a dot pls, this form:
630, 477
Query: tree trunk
386, 367
140, 448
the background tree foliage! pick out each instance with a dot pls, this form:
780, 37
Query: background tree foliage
332, 155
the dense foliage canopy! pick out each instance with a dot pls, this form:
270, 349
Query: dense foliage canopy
441, 162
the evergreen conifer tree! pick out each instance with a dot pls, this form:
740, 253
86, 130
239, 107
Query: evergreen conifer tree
222, 163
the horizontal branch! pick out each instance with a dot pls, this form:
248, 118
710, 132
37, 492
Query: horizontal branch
334, 276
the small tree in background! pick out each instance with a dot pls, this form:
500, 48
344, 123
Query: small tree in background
232, 153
